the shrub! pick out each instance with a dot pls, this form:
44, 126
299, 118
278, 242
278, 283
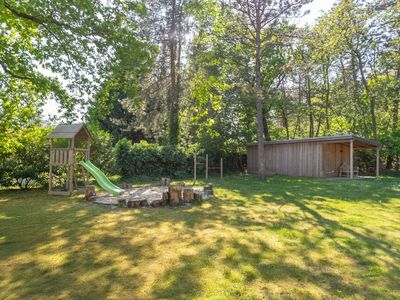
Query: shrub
27, 163
101, 151
150, 159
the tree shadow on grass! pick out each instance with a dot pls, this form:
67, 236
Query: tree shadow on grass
59, 251
107, 253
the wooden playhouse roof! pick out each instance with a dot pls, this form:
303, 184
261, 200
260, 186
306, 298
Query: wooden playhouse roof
359, 142
69, 131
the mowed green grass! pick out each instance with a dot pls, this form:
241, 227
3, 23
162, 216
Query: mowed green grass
291, 238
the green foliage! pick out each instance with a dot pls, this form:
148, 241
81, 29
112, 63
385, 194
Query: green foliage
78, 43
150, 159
102, 150
26, 165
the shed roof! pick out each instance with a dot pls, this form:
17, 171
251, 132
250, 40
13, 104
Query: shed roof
69, 131
359, 142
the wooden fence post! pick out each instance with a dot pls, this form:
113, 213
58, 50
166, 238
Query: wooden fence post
377, 162
206, 167
351, 159
195, 168
222, 169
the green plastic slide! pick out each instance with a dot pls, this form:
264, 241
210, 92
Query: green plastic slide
101, 178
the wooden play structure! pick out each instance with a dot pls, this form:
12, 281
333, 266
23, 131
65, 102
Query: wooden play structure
69, 136
207, 167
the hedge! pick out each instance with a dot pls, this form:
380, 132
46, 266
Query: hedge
150, 159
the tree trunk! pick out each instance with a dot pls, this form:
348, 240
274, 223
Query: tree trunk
309, 103
319, 125
327, 95
395, 116
298, 121
370, 97
173, 105
285, 121
267, 135
259, 105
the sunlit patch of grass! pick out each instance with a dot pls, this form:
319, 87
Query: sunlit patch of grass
295, 238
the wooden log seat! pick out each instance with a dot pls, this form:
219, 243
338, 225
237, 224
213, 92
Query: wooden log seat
175, 195
165, 198
122, 202
90, 192
165, 181
140, 202
197, 196
208, 190
188, 195
156, 203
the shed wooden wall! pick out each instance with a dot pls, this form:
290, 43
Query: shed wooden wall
312, 159
333, 156
252, 164
296, 159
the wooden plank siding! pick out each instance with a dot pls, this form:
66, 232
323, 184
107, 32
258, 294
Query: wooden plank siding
309, 159
298, 159
334, 155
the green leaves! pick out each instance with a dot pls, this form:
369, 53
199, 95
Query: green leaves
24, 157
78, 42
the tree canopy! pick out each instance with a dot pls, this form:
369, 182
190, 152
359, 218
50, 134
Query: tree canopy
203, 74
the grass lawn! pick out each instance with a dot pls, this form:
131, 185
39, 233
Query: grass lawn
290, 238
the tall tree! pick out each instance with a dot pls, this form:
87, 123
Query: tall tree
257, 16
175, 48
65, 48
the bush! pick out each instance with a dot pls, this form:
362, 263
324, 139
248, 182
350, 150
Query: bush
102, 151
150, 159
26, 165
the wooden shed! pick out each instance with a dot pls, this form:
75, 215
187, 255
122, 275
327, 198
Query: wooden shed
324, 156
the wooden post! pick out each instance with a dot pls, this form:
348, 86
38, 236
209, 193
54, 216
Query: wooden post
206, 167
71, 166
195, 168
88, 150
377, 162
51, 167
222, 169
87, 157
351, 159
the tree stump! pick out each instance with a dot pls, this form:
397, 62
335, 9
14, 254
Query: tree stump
174, 195
165, 198
179, 186
155, 203
121, 202
90, 192
198, 196
144, 203
133, 203
208, 190
165, 181
188, 195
